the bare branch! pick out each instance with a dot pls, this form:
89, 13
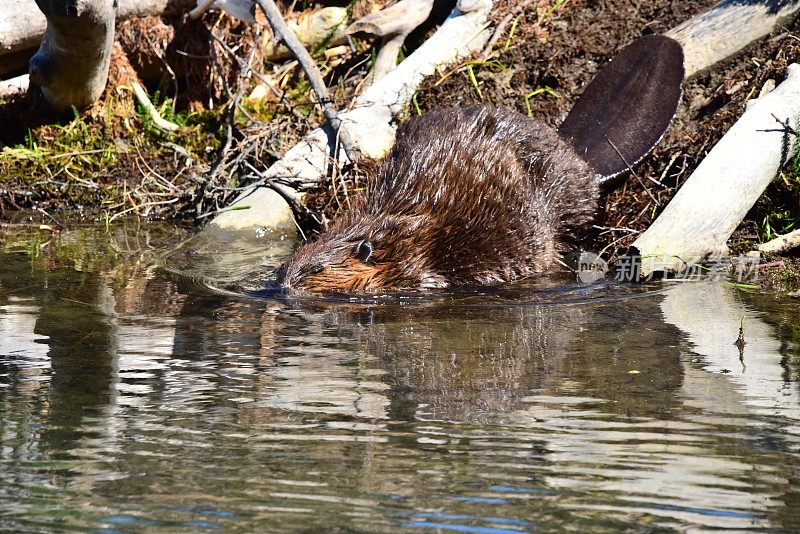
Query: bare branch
282, 33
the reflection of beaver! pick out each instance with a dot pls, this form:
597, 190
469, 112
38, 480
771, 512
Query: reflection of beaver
482, 195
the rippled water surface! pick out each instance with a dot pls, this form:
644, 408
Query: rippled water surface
136, 397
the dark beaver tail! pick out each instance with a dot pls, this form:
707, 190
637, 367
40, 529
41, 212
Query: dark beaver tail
625, 111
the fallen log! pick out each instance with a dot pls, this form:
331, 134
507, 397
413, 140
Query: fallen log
22, 25
726, 28
781, 243
71, 65
701, 217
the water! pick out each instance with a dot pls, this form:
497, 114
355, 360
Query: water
137, 398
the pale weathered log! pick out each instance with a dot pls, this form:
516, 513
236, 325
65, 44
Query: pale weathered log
728, 27
71, 65
392, 25
781, 243
701, 217
14, 86
369, 122
21, 26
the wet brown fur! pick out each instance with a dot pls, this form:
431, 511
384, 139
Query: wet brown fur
468, 197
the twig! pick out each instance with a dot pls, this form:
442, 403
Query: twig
283, 34
78, 153
501, 27
160, 122
625, 161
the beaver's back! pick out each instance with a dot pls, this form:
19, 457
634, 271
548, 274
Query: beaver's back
497, 192
467, 197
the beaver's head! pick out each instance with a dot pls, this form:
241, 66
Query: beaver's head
371, 254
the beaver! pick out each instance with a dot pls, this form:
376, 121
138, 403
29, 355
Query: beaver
482, 195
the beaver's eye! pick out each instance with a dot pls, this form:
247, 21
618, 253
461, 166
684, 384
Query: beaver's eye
364, 251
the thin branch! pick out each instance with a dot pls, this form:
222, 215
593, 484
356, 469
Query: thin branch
625, 161
160, 122
283, 34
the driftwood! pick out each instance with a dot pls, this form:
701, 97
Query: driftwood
701, 217
392, 25
369, 122
71, 65
781, 243
22, 25
312, 28
728, 27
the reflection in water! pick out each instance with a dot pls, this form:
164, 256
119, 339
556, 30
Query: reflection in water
136, 399
759, 384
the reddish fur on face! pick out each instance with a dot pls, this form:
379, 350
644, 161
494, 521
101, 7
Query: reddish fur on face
467, 197
353, 275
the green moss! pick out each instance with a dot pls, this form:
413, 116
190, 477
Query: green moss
109, 160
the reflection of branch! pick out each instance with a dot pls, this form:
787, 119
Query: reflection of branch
709, 314
282, 33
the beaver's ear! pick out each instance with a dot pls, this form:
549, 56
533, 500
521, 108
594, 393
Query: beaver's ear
364, 250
